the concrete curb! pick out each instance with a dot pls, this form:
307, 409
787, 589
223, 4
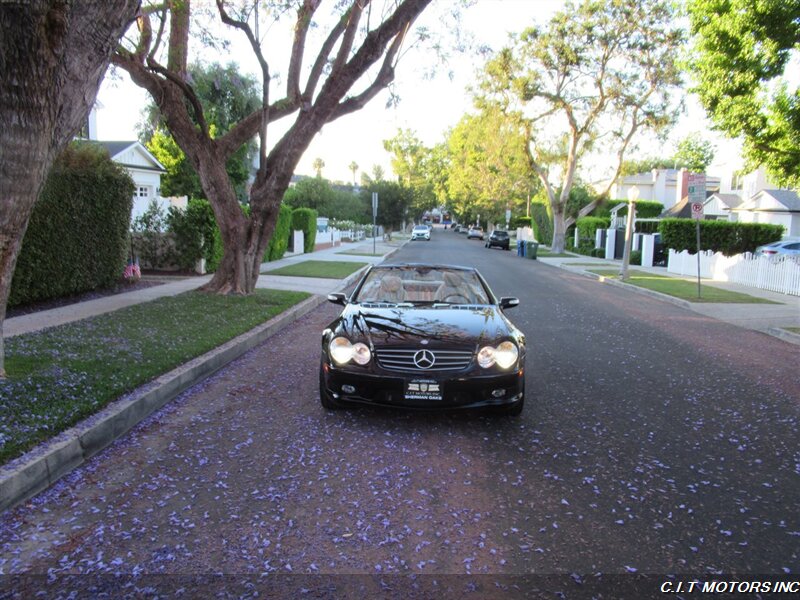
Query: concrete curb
627, 286
45, 464
787, 336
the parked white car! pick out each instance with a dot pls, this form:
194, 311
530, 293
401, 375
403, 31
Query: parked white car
777, 249
421, 232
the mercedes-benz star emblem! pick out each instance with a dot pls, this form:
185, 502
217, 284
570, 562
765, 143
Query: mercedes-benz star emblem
424, 359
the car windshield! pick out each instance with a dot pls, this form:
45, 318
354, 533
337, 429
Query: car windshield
420, 228
415, 285
500, 234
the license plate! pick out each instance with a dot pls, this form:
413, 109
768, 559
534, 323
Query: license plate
423, 389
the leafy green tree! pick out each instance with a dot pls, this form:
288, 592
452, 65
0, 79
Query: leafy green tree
694, 153
310, 192
410, 160
356, 61
589, 81
394, 200
226, 97
632, 166
488, 165
353, 166
740, 53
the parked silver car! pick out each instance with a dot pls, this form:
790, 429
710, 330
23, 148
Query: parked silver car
421, 232
475, 233
777, 249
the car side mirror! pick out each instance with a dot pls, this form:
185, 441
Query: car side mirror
337, 298
509, 302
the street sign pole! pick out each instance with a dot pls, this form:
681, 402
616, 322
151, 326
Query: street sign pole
374, 220
697, 196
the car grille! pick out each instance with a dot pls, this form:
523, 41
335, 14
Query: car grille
402, 359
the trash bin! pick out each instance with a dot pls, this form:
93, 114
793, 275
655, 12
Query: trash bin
520, 248
531, 249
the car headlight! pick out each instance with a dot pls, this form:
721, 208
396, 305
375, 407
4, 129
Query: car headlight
342, 351
486, 357
505, 355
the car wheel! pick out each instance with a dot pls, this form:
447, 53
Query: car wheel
325, 399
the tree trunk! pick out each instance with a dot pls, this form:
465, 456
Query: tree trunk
53, 55
559, 229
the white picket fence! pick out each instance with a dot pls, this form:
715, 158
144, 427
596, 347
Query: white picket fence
777, 275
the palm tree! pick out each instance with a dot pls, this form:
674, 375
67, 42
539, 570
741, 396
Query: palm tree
354, 167
318, 164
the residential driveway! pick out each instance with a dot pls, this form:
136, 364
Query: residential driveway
655, 440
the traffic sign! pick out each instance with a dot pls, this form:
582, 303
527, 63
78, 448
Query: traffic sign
697, 210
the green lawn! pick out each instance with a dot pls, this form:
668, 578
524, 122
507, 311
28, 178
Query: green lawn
61, 375
793, 329
543, 252
319, 268
685, 289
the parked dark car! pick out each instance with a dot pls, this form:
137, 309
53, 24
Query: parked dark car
498, 238
423, 336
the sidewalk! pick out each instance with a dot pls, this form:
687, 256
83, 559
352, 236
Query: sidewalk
767, 318
82, 310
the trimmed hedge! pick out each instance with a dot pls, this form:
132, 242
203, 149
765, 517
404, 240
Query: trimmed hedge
587, 226
518, 222
645, 209
280, 237
542, 222
717, 236
305, 219
77, 237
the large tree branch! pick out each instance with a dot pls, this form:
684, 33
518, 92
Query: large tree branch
248, 127
322, 59
298, 47
353, 17
384, 78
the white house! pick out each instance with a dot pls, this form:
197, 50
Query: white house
144, 169
777, 207
658, 185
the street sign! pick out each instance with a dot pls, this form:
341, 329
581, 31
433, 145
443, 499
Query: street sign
697, 187
374, 204
697, 210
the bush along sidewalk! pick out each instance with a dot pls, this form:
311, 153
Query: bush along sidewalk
62, 375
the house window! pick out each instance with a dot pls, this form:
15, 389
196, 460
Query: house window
143, 191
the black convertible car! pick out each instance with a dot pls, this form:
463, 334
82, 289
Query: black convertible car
425, 337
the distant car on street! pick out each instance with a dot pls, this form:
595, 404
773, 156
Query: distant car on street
421, 232
498, 238
475, 232
778, 249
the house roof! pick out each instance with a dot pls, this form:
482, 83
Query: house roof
787, 201
116, 148
729, 200
679, 210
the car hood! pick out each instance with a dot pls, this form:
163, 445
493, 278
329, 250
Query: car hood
440, 326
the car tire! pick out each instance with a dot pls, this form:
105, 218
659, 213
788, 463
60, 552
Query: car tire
325, 399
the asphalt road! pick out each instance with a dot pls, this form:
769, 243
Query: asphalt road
654, 440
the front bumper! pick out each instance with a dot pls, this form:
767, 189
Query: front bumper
458, 390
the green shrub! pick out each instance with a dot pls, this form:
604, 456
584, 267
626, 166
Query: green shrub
280, 237
150, 227
717, 236
519, 222
305, 220
196, 234
599, 253
645, 209
542, 222
647, 226
587, 226
636, 257
77, 237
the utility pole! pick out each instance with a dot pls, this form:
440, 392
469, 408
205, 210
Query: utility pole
633, 195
